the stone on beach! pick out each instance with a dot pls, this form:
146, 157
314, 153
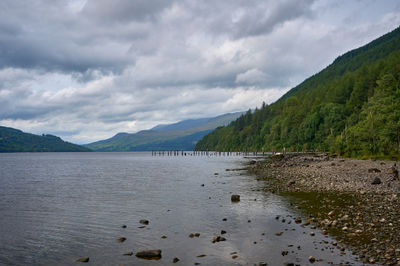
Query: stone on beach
376, 181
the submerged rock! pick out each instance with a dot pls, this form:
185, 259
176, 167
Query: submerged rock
149, 254
218, 239
235, 198
144, 221
83, 259
128, 254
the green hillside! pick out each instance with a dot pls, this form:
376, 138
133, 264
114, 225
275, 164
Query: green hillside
182, 135
351, 108
14, 140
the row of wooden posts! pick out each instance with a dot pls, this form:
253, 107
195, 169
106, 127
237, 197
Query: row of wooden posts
207, 153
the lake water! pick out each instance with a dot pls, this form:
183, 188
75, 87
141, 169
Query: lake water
58, 207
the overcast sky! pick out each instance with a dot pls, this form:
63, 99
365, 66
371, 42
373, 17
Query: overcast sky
87, 69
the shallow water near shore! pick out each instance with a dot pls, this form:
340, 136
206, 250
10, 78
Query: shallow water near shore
58, 207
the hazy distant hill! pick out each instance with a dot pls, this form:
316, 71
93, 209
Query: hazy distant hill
352, 107
182, 135
14, 140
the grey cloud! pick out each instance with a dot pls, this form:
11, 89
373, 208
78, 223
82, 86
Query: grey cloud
106, 11
127, 65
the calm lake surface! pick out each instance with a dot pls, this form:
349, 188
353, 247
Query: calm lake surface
58, 207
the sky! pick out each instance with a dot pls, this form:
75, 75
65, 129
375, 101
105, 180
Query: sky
85, 70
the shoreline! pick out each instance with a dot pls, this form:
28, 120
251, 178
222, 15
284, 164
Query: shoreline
355, 201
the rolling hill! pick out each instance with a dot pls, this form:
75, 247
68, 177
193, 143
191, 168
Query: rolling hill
14, 140
182, 135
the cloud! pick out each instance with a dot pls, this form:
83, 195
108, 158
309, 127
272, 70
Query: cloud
251, 76
86, 70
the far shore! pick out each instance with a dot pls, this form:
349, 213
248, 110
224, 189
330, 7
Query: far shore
355, 201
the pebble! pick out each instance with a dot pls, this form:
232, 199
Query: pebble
311, 259
175, 260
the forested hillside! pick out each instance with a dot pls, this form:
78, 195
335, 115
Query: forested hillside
351, 108
14, 140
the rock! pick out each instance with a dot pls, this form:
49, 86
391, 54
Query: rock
331, 213
191, 235
291, 182
202, 185
83, 259
284, 252
149, 254
218, 239
164, 237
235, 198
223, 232
376, 181
252, 162
234, 256
216, 174
311, 259
121, 239
393, 170
175, 260
312, 234
224, 219
202, 256
123, 226
262, 263
279, 233
144, 221
128, 254
374, 170
297, 220
197, 234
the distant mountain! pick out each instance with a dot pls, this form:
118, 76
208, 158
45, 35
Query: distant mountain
14, 140
351, 108
182, 135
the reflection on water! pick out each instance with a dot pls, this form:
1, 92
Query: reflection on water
58, 207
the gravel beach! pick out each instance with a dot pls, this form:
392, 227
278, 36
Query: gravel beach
355, 201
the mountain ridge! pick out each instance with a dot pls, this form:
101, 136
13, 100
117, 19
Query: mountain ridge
181, 135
